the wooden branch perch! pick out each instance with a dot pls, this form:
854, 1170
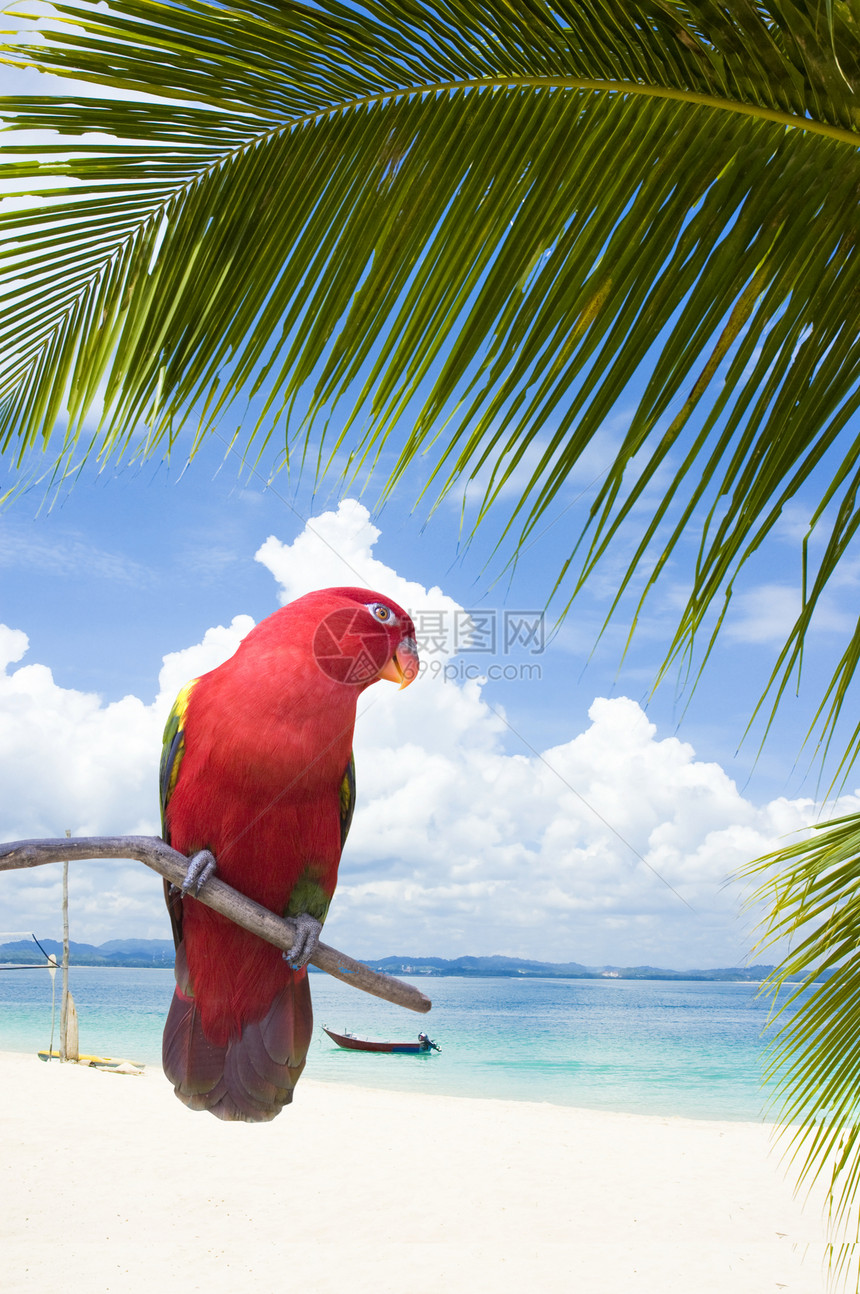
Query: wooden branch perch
216, 895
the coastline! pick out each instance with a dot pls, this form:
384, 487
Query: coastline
691, 1050
114, 1184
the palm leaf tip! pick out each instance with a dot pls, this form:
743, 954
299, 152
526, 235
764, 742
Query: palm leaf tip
810, 891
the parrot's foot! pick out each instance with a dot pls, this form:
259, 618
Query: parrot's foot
201, 867
307, 937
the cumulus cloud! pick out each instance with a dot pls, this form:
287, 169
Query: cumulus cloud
337, 549
70, 761
611, 847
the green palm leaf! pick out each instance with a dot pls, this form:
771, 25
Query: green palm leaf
812, 893
474, 224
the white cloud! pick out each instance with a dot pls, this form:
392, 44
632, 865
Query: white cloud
67, 760
460, 844
65, 555
336, 548
179, 666
767, 613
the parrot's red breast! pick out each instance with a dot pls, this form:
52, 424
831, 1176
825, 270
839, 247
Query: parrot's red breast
257, 768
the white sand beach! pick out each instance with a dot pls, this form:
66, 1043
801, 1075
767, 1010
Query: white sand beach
109, 1184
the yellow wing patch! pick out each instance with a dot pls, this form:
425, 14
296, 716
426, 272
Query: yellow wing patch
172, 750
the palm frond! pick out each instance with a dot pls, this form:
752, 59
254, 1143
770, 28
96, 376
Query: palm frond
466, 229
812, 895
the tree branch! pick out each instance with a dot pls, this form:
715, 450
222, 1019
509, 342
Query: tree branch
215, 894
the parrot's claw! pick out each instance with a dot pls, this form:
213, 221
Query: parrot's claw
307, 930
201, 867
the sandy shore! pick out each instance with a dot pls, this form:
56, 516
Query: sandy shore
108, 1183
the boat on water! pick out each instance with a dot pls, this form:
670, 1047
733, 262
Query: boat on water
351, 1043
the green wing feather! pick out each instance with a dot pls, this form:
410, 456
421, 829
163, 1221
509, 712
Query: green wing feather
309, 894
347, 800
172, 750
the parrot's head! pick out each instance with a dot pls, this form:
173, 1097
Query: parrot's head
359, 636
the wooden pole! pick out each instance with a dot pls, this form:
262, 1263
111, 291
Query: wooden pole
53, 974
64, 1000
154, 853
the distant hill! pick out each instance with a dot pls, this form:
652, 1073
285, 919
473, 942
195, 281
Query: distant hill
159, 953
116, 952
482, 967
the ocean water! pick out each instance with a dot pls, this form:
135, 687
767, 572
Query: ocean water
655, 1047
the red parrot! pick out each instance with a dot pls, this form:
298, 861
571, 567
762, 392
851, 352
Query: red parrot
257, 778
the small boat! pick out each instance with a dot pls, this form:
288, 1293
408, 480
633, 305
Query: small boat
97, 1062
351, 1043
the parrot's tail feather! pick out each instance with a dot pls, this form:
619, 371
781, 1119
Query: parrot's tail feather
287, 1029
190, 1060
250, 1078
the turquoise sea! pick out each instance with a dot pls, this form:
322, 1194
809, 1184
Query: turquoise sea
655, 1047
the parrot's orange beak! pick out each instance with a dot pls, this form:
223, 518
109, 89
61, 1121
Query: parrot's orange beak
403, 666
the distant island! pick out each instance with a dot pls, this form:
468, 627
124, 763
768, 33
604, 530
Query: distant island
158, 954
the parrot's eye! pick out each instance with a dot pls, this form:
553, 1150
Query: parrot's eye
381, 612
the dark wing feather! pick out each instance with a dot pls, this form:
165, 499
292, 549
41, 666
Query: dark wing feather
347, 800
172, 750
